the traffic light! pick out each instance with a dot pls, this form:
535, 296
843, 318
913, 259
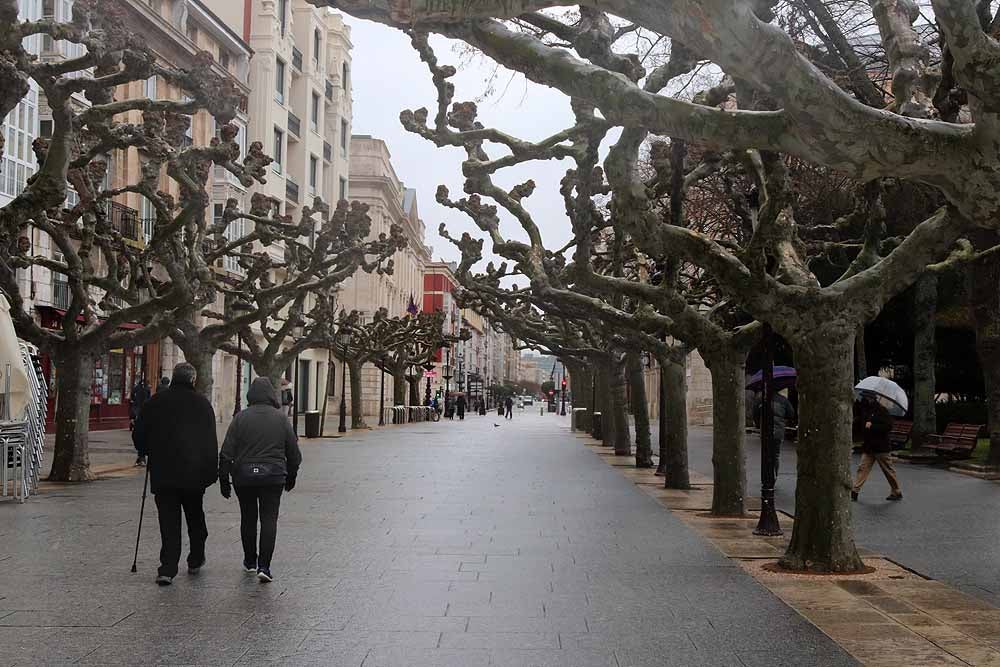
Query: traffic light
564, 383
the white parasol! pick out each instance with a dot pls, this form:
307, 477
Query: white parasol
887, 392
10, 353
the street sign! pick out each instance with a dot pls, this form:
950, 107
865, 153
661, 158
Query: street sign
430, 374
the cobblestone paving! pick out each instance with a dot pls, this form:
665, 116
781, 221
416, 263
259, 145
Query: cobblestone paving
458, 544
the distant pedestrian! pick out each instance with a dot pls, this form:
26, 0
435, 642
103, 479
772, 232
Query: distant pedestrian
176, 430
138, 397
287, 397
875, 426
261, 453
509, 405
460, 406
164, 384
784, 414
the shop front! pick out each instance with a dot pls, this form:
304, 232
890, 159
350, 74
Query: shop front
115, 373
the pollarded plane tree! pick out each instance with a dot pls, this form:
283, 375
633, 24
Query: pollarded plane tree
721, 333
110, 278
287, 269
293, 300
806, 115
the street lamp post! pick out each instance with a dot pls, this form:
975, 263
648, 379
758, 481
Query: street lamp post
562, 409
427, 394
381, 391
236, 306
446, 374
342, 427
297, 331
768, 523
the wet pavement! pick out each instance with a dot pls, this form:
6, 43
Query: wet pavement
457, 543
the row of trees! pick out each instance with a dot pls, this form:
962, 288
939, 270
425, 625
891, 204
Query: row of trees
279, 302
842, 154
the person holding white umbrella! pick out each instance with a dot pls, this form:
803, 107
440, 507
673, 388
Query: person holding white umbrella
876, 423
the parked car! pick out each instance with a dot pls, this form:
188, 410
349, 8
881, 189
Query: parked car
528, 400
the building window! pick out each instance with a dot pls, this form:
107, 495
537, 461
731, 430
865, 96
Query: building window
279, 80
343, 135
345, 72
224, 59
343, 188
147, 218
149, 87
283, 16
316, 45
192, 32
279, 144
313, 172
314, 113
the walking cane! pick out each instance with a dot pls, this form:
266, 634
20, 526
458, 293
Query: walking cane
142, 509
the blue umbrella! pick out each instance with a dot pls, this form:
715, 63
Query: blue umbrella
784, 377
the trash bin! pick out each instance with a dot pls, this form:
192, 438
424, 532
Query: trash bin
500, 411
312, 424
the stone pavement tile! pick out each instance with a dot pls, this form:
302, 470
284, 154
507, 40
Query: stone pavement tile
790, 658
525, 609
499, 640
664, 636
553, 658
392, 622
30, 646
667, 656
890, 605
558, 624
972, 652
65, 618
396, 657
331, 642
188, 618
848, 630
980, 630
882, 653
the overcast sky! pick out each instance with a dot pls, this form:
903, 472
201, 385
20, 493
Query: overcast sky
388, 77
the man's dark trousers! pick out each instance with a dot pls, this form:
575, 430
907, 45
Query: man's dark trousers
169, 503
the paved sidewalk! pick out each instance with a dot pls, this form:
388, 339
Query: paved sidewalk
455, 544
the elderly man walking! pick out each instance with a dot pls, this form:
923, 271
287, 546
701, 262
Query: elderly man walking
176, 431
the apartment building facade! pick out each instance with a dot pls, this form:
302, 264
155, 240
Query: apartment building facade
176, 31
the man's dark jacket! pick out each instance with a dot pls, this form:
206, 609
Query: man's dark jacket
176, 430
261, 434
875, 440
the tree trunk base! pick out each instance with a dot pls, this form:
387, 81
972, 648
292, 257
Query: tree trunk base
781, 568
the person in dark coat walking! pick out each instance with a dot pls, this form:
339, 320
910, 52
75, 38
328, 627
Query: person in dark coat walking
138, 397
460, 406
875, 424
176, 430
509, 406
783, 413
261, 453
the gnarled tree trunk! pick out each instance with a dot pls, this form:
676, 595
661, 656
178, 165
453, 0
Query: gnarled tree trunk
74, 380
201, 357
414, 383
640, 408
619, 408
924, 358
357, 407
984, 278
673, 429
822, 538
604, 403
581, 378
729, 470
399, 388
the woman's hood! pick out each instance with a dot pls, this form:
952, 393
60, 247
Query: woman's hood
263, 392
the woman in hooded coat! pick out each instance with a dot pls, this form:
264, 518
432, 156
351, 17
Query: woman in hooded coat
261, 453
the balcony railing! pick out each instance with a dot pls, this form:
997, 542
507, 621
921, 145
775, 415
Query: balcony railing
60, 294
327, 151
296, 59
294, 124
124, 220
291, 191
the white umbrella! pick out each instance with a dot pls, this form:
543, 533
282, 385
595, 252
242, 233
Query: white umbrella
887, 392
